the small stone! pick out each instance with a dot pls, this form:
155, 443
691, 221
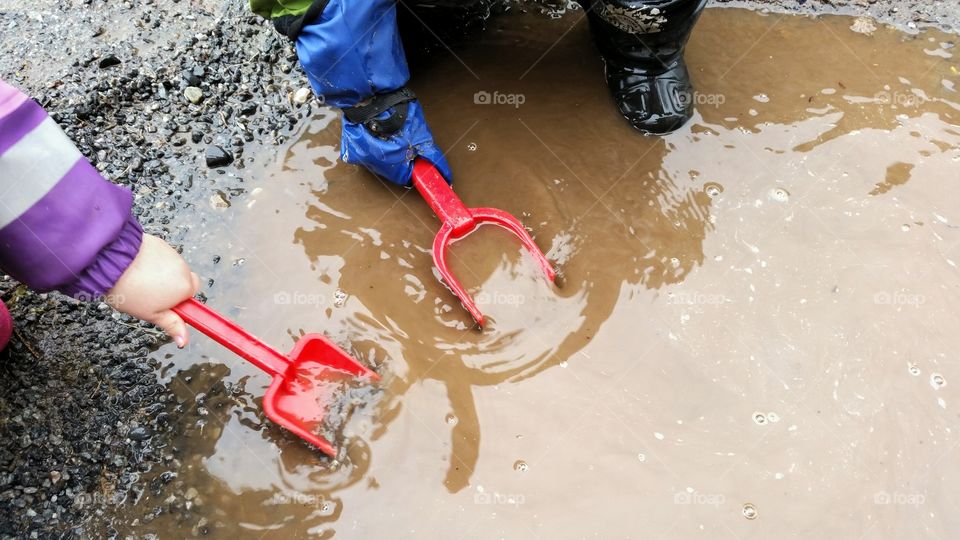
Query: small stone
218, 157
55, 476
193, 94
218, 201
863, 25
139, 433
301, 96
109, 61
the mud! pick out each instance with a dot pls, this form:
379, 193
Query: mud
752, 335
908, 15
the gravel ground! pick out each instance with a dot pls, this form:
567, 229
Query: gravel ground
82, 415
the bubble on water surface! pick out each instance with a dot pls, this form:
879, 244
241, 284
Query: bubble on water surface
327, 508
472, 147
641, 457
451, 419
779, 194
937, 380
913, 369
520, 466
773, 417
750, 511
712, 189
760, 418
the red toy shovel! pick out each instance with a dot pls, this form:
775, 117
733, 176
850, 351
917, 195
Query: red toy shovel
458, 222
304, 381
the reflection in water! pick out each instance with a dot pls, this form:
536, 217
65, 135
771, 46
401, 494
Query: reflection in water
762, 263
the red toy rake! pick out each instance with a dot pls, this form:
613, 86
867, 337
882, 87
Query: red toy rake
304, 381
458, 222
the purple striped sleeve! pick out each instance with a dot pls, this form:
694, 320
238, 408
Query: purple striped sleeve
62, 225
18, 122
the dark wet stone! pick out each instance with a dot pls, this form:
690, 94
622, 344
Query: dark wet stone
139, 433
217, 156
109, 61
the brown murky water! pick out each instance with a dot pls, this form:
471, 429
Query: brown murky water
754, 336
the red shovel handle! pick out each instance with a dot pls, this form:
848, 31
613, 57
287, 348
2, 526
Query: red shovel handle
227, 333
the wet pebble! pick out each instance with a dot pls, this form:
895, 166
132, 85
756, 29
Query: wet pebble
301, 96
193, 94
139, 433
217, 156
109, 61
863, 25
218, 201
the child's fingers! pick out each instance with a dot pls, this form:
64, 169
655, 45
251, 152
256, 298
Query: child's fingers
173, 325
195, 280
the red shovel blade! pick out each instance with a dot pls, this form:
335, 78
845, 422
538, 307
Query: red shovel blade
305, 382
458, 222
299, 401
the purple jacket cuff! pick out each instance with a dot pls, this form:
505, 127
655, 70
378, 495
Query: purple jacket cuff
110, 264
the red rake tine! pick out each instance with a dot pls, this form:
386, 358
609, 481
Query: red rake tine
458, 222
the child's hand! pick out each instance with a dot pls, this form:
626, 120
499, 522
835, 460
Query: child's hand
156, 280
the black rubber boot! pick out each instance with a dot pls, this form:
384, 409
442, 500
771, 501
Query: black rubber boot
642, 43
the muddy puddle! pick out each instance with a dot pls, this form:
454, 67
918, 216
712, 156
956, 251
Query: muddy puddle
754, 333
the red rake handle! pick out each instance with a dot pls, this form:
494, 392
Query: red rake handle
458, 221
227, 333
441, 198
